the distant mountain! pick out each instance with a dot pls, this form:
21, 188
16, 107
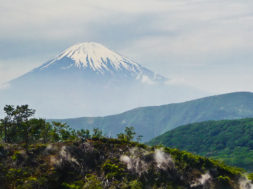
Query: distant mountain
156, 120
93, 61
90, 79
229, 140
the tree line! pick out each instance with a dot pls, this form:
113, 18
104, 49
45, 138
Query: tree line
20, 127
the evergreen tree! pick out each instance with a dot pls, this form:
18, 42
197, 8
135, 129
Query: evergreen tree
97, 133
21, 116
128, 135
7, 121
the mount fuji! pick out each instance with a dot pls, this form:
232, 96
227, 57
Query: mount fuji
94, 61
90, 79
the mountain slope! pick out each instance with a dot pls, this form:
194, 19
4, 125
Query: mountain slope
94, 57
109, 163
90, 79
227, 140
153, 121
94, 61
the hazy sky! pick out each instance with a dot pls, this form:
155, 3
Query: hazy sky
204, 43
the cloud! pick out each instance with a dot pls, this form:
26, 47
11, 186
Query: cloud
145, 79
182, 27
4, 86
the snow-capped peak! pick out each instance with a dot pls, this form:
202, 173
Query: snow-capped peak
95, 56
92, 57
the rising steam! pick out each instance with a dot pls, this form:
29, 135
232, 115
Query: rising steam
163, 160
135, 161
245, 183
202, 180
140, 160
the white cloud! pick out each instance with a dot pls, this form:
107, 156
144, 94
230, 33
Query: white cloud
145, 79
4, 86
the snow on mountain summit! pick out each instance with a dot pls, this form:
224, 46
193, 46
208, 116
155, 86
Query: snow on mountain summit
95, 56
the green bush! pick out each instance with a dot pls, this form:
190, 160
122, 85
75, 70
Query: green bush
135, 184
250, 176
92, 182
112, 170
224, 179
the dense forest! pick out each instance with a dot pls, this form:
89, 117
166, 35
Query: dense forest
35, 154
229, 140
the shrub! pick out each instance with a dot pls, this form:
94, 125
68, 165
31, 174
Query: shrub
135, 184
224, 179
112, 170
92, 182
250, 176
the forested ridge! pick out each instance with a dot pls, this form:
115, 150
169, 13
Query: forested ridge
155, 120
230, 141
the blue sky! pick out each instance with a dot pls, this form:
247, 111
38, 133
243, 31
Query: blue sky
207, 44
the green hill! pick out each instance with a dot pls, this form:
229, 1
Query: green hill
154, 121
229, 140
111, 163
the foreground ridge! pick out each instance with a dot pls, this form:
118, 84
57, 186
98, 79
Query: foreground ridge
107, 163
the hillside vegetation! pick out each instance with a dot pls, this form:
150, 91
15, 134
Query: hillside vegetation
154, 121
67, 159
110, 163
229, 140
